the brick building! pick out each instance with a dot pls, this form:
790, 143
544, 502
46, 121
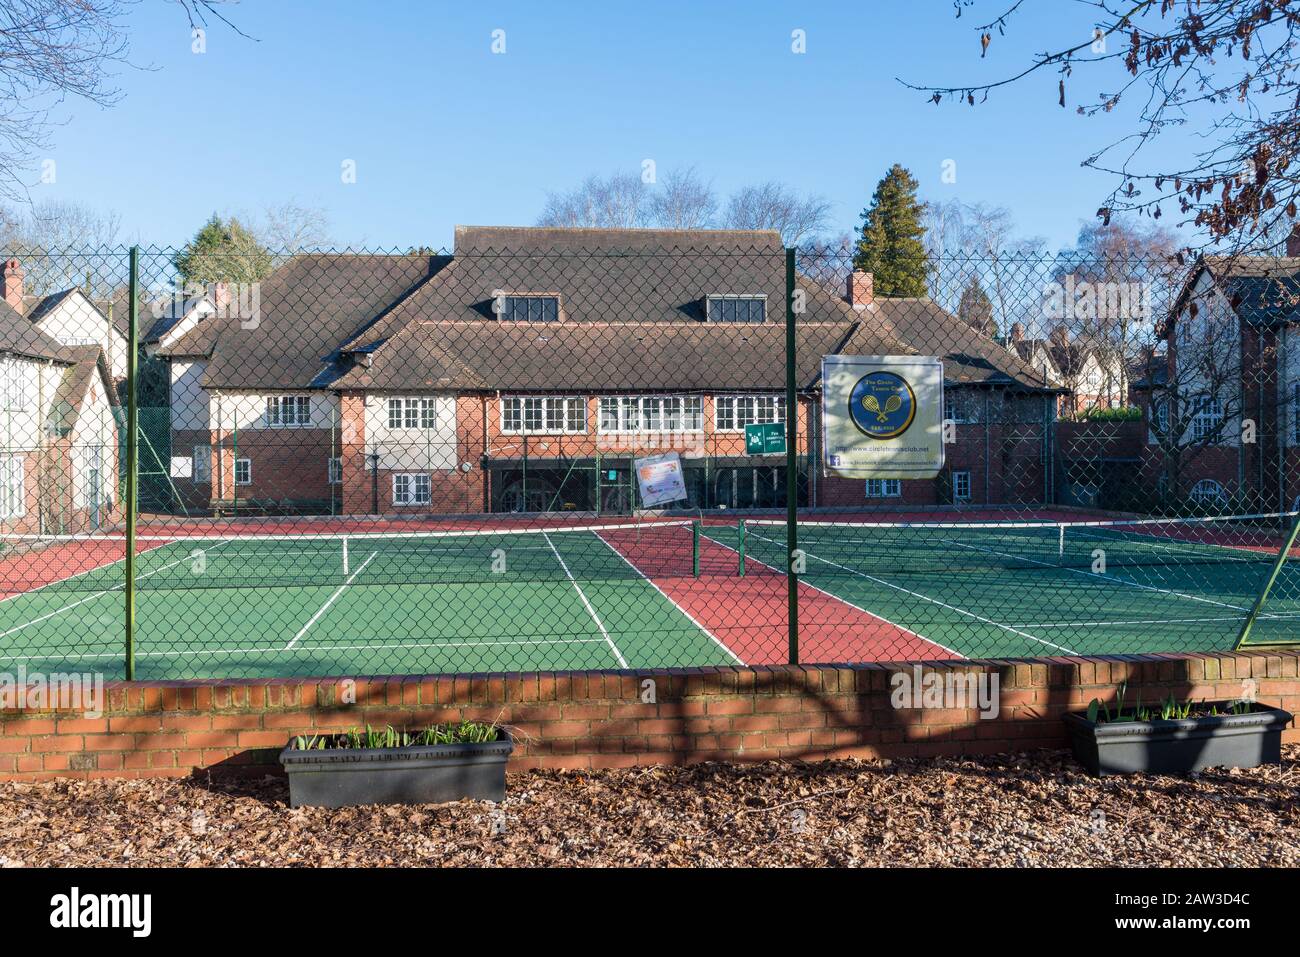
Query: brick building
526, 371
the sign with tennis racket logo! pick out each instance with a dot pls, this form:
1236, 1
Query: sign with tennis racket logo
882, 416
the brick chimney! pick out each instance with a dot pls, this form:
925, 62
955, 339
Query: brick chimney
861, 291
1017, 332
221, 296
1293, 241
13, 284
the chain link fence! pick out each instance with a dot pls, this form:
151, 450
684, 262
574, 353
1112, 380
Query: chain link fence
551, 449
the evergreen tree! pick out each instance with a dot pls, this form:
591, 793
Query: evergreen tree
891, 246
223, 251
976, 309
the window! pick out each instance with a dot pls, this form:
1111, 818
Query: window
19, 383
1208, 420
884, 488
734, 412
1160, 417
529, 308
288, 411
411, 489
412, 414
13, 501
1207, 492
335, 471
960, 406
737, 308
545, 415
243, 471
652, 414
203, 464
960, 486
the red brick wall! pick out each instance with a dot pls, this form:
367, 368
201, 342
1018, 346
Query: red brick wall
595, 719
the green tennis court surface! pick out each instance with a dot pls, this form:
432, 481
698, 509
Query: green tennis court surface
635, 596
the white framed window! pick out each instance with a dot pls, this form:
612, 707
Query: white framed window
411, 488
961, 406
961, 486
651, 414
543, 415
1160, 416
1208, 492
202, 465
19, 384
734, 412
243, 471
1208, 420
737, 308
412, 413
528, 308
288, 411
13, 500
884, 488
334, 471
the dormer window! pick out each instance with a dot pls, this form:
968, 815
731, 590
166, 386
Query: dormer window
737, 308
511, 308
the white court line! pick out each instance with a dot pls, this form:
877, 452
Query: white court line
933, 601
101, 594
85, 571
591, 611
277, 650
734, 657
332, 599
1091, 574
823, 591
1285, 616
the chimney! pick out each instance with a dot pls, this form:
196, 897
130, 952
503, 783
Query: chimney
221, 296
861, 289
1017, 332
1293, 241
13, 284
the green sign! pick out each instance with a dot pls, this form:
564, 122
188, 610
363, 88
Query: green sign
765, 439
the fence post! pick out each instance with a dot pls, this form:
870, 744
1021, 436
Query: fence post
791, 462
132, 452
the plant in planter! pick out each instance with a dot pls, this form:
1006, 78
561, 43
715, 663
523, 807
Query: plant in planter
1175, 737
445, 762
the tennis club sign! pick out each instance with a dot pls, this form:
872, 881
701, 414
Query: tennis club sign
882, 416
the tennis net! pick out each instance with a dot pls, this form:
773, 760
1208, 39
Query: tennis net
590, 552
951, 547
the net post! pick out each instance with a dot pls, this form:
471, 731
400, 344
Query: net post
791, 463
740, 545
695, 548
345, 556
132, 456
1283, 553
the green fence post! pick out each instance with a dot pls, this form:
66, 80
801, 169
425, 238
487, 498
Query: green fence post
740, 545
132, 453
1281, 560
695, 548
791, 461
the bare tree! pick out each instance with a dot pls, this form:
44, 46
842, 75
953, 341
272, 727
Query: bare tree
619, 201
1230, 62
62, 244
683, 201
776, 206
52, 51
291, 227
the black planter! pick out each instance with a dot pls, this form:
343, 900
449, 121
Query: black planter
429, 774
1180, 745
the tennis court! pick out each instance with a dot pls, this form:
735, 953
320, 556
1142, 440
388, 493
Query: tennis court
636, 596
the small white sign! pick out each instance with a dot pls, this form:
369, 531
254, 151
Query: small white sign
660, 479
182, 466
883, 416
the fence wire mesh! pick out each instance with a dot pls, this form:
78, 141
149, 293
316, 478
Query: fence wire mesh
366, 462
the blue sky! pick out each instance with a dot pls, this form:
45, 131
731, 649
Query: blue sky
443, 131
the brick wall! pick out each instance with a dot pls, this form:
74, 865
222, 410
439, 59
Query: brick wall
599, 719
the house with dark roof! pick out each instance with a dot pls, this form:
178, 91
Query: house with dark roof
526, 372
58, 432
1222, 400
